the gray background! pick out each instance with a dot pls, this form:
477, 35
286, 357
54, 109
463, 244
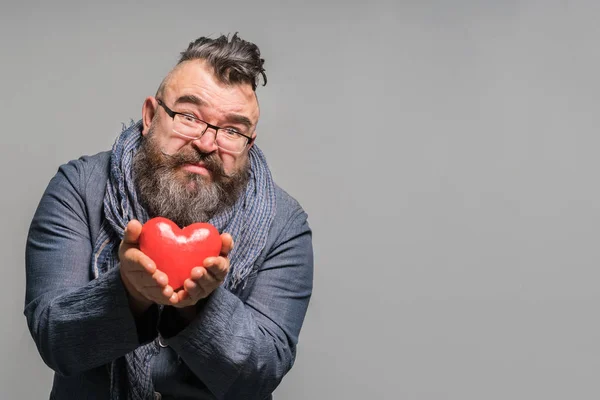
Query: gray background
446, 153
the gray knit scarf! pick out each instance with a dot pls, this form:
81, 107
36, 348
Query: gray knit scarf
248, 222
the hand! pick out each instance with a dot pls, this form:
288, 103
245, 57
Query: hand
145, 284
206, 278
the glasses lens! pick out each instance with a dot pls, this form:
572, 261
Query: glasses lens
231, 140
188, 126
192, 128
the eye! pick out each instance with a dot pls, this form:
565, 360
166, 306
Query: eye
231, 132
189, 118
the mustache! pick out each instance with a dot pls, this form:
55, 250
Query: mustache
211, 161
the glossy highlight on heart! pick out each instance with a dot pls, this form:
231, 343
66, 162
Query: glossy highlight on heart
177, 251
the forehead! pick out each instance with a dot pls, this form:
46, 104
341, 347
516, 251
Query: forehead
197, 78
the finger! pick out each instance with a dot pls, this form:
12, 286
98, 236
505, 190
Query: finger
226, 244
147, 281
217, 267
160, 278
202, 287
155, 294
159, 295
197, 289
197, 285
140, 280
197, 273
203, 278
182, 296
141, 261
132, 232
174, 299
168, 292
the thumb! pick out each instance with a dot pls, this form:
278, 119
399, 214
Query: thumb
227, 244
132, 232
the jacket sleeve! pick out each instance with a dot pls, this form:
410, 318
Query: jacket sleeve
77, 323
242, 350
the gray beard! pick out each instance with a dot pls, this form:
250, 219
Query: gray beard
166, 190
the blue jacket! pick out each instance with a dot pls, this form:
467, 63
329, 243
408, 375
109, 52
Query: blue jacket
238, 347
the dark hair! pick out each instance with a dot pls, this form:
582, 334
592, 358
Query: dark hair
234, 60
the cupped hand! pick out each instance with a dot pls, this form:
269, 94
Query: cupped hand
206, 278
144, 283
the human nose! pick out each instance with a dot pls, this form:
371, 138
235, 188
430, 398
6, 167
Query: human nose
208, 141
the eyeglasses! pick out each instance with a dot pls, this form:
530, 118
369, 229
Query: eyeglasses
193, 128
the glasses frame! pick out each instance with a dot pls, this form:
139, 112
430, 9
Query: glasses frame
172, 114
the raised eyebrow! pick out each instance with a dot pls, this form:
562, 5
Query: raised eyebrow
240, 119
190, 98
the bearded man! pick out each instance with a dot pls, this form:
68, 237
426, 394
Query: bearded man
104, 317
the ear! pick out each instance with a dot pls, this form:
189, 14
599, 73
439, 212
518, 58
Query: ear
148, 111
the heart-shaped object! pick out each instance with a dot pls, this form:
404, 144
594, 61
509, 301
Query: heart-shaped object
177, 251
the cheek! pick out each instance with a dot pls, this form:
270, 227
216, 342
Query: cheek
164, 138
173, 144
230, 162
170, 144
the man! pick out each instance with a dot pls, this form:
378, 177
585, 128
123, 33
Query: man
102, 315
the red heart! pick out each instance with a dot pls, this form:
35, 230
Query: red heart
177, 251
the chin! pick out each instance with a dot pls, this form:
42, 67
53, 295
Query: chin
191, 186
192, 181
